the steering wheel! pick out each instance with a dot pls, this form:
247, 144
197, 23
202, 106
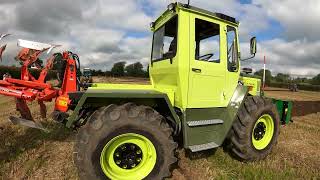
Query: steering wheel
206, 56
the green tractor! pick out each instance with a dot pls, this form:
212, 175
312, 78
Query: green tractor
86, 76
196, 100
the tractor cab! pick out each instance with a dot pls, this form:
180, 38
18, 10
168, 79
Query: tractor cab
86, 77
87, 72
196, 53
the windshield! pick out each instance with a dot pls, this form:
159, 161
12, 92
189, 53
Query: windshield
165, 41
86, 72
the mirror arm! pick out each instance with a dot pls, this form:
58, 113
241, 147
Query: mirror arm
254, 55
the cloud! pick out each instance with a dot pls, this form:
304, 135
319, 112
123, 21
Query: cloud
300, 18
47, 17
7, 16
121, 14
129, 49
137, 46
298, 57
105, 31
97, 40
253, 20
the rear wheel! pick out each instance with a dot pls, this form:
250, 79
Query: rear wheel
255, 130
125, 142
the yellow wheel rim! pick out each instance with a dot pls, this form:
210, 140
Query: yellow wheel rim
128, 156
263, 132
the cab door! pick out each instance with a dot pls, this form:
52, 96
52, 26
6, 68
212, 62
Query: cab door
207, 73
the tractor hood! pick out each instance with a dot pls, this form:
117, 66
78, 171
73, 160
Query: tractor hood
128, 88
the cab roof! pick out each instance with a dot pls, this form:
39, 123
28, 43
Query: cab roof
221, 16
210, 13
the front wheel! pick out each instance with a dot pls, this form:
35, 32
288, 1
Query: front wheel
255, 130
125, 142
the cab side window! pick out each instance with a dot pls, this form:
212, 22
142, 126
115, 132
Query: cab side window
232, 45
207, 37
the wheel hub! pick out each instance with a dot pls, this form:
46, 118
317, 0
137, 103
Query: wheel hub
128, 156
259, 131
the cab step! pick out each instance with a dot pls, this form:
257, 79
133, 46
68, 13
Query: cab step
204, 122
202, 147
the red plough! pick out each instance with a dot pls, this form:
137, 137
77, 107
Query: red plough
28, 88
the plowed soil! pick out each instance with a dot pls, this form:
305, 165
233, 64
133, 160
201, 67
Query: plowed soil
304, 102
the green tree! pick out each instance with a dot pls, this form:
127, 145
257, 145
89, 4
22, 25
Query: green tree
268, 75
107, 73
282, 77
316, 80
118, 69
135, 70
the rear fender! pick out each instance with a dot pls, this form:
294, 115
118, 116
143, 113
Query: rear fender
97, 98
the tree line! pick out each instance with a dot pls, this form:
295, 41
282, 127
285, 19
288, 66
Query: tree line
282, 80
120, 69
136, 69
286, 78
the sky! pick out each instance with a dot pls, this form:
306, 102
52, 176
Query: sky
103, 32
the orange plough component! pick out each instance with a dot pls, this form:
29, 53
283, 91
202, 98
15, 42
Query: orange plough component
28, 88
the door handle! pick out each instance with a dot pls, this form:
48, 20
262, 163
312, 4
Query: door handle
196, 70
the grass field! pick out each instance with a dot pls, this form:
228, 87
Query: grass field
31, 154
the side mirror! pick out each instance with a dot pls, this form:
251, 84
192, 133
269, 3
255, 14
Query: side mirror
253, 46
247, 70
232, 67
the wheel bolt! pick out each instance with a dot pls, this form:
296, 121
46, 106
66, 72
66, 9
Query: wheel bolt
124, 166
138, 159
138, 152
117, 155
118, 162
133, 147
133, 165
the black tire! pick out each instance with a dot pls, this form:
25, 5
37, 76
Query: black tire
111, 121
240, 138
